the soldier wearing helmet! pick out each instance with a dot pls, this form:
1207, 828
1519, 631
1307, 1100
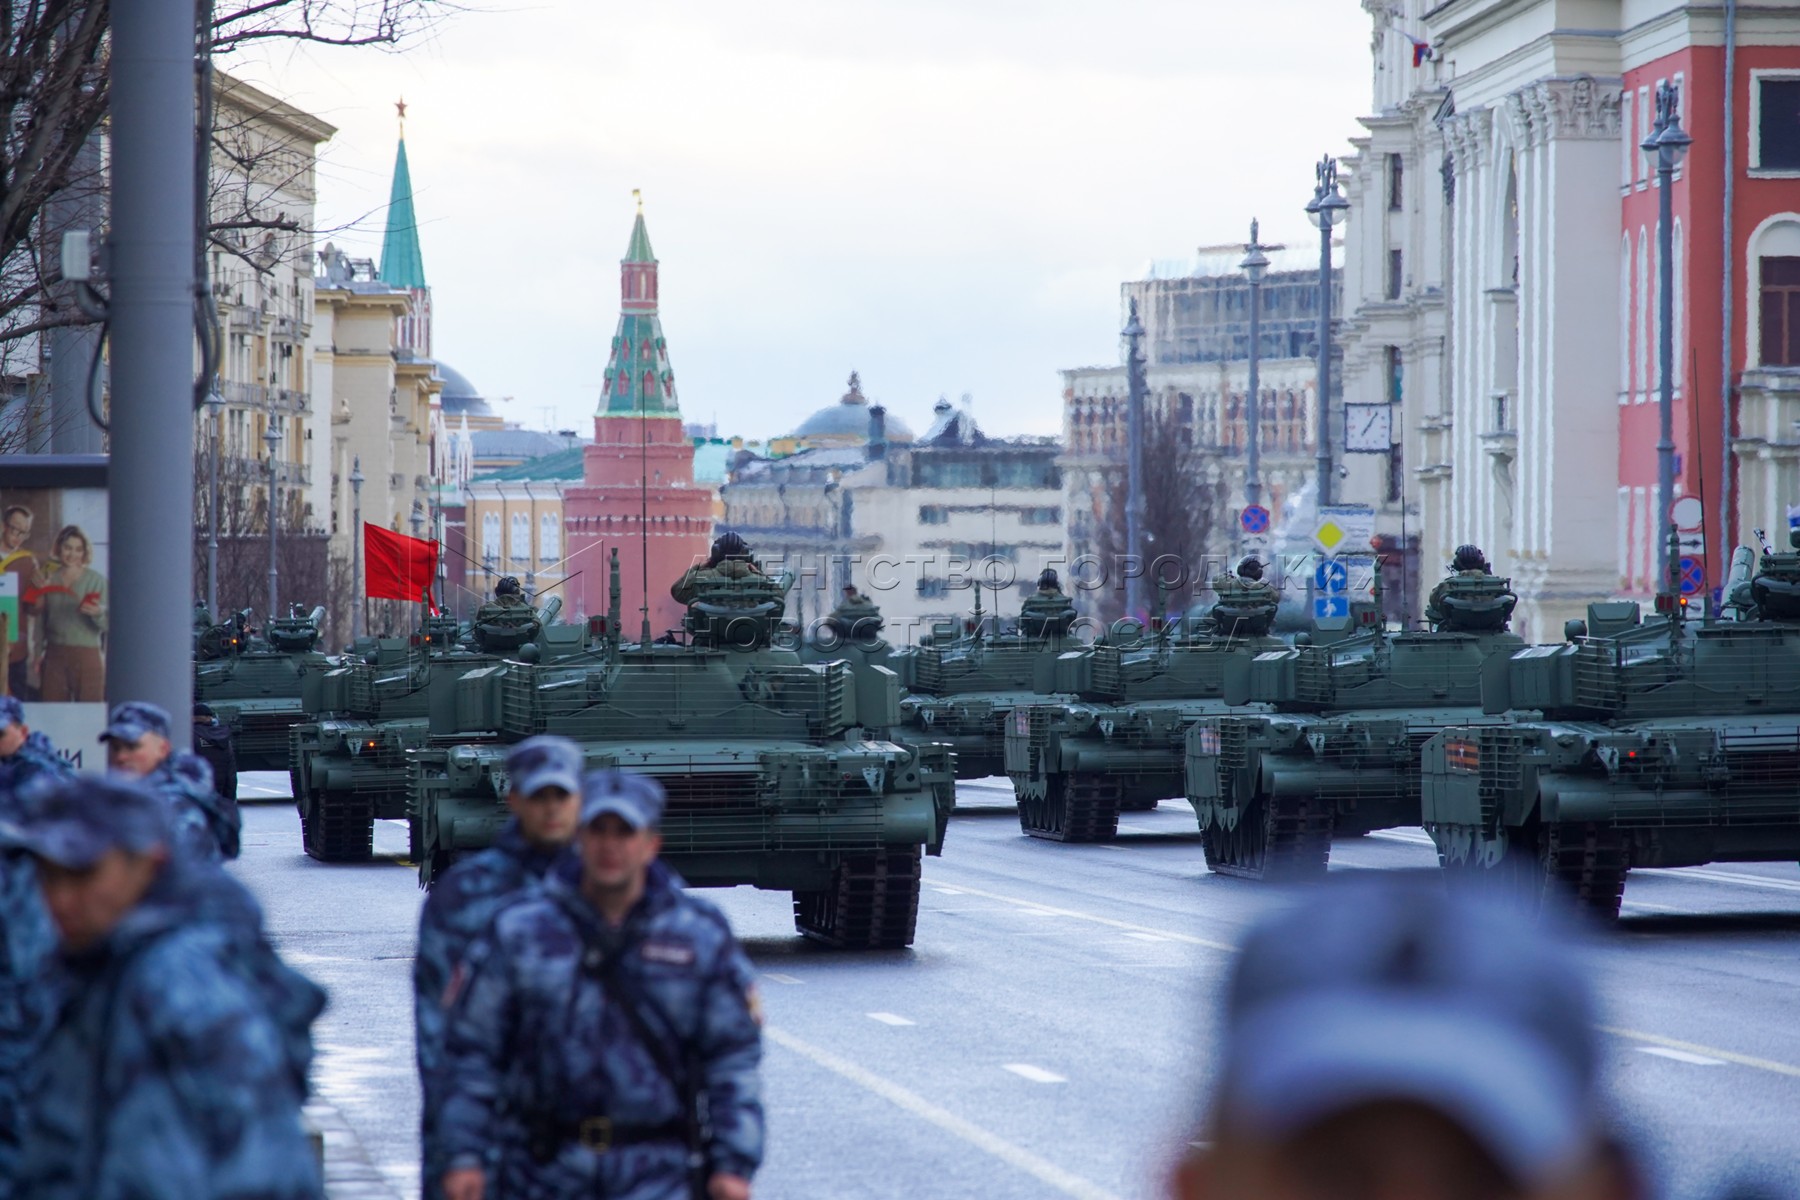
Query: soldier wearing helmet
1245, 584
729, 561
1467, 561
508, 593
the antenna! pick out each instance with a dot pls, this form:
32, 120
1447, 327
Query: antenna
1706, 604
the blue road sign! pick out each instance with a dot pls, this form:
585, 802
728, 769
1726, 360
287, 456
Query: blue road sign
1254, 519
1331, 606
1331, 575
1693, 574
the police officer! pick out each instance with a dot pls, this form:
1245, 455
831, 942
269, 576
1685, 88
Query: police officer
176, 1067
1467, 561
730, 560
213, 742
603, 1018
544, 796
25, 756
138, 746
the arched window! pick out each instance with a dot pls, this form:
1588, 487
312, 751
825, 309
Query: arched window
649, 385
520, 542
549, 539
490, 534
1774, 282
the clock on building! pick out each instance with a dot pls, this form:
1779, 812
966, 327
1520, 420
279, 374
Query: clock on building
1369, 428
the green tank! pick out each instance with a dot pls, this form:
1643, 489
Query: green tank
253, 683
1115, 741
962, 687
1657, 742
1339, 753
347, 755
779, 772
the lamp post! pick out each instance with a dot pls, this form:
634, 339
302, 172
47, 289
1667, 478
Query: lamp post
1668, 142
272, 439
356, 554
1133, 334
1325, 209
215, 403
1254, 267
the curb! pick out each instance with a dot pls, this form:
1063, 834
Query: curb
349, 1172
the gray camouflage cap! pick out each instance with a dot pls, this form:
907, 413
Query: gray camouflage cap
74, 823
133, 719
635, 799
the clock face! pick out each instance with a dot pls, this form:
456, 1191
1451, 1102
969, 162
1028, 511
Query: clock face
1369, 428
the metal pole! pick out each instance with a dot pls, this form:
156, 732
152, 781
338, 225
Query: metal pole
356, 556
216, 404
1324, 373
1134, 464
151, 543
1668, 141
1254, 264
273, 441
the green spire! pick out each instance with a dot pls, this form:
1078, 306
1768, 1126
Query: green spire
402, 263
639, 251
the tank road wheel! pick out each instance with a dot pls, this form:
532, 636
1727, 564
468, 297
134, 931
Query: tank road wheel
872, 903
1584, 863
340, 827
1075, 808
1276, 839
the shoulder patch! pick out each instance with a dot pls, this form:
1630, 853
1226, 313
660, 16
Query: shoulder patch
668, 952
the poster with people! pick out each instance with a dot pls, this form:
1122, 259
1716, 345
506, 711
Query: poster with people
55, 607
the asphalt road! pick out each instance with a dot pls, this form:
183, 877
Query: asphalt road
1050, 1033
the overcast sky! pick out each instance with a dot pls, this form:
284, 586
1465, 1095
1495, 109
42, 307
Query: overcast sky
941, 194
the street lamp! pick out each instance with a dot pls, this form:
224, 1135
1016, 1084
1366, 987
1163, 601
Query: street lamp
272, 439
356, 554
215, 404
1325, 209
1133, 334
1668, 142
1254, 267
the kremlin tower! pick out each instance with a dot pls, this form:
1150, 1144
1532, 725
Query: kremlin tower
637, 491
402, 262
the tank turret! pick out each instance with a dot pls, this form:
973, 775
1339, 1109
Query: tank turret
1775, 588
294, 633
1474, 604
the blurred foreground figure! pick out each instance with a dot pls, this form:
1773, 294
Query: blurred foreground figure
203, 823
176, 1063
1391, 1041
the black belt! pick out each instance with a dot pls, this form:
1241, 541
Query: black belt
548, 1136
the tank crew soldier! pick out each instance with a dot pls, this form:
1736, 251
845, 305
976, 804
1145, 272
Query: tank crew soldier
1468, 560
1048, 584
729, 561
599, 1013
213, 742
1245, 585
544, 796
137, 746
1384, 1040
177, 1065
508, 593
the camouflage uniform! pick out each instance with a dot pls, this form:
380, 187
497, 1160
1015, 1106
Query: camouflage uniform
534, 1035
459, 909
177, 1066
206, 825
696, 581
1434, 609
1236, 590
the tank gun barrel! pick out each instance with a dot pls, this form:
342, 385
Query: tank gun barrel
1736, 595
316, 617
547, 615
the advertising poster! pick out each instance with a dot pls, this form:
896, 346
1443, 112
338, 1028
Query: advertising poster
55, 602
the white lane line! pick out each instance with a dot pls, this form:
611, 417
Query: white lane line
889, 1018
1035, 1074
1110, 846
1037, 912
1045, 1172
1652, 907
775, 977
1401, 835
1146, 937
1106, 921
1742, 1060
1682, 1056
944, 891
263, 791
1762, 881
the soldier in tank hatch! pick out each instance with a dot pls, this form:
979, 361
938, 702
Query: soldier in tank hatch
1467, 562
613, 1017
729, 561
509, 594
544, 796
1244, 583
176, 1064
138, 747
1389, 1040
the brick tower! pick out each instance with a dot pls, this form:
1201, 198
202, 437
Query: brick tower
637, 491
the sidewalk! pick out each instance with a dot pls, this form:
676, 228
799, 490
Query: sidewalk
349, 1173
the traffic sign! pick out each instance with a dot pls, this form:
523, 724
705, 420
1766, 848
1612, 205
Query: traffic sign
1331, 576
1687, 514
1693, 574
1344, 527
1254, 519
1691, 543
1331, 606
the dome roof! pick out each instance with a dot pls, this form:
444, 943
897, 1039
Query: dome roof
459, 397
848, 419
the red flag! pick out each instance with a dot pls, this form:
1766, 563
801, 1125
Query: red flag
397, 567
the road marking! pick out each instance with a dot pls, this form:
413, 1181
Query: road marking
1045, 1172
1655, 907
1146, 937
944, 891
263, 791
1762, 881
1035, 1074
774, 977
1037, 912
1110, 846
1742, 1060
890, 1019
1188, 938
1698, 1060
1399, 835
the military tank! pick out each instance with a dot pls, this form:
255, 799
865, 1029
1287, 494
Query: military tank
778, 772
1339, 753
347, 755
1115, 741
254, 684
1657, 742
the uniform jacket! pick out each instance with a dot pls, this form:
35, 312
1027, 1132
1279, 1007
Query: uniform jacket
177, 1063
1434, 606
213, 743
206, 824
530, 1031
459, 909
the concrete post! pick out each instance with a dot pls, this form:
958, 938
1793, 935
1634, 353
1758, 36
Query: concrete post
356, 554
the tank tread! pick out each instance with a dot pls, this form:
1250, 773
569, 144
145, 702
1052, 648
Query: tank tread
1588, 863
1074, 808
1277, 840
340, 827
872, 903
